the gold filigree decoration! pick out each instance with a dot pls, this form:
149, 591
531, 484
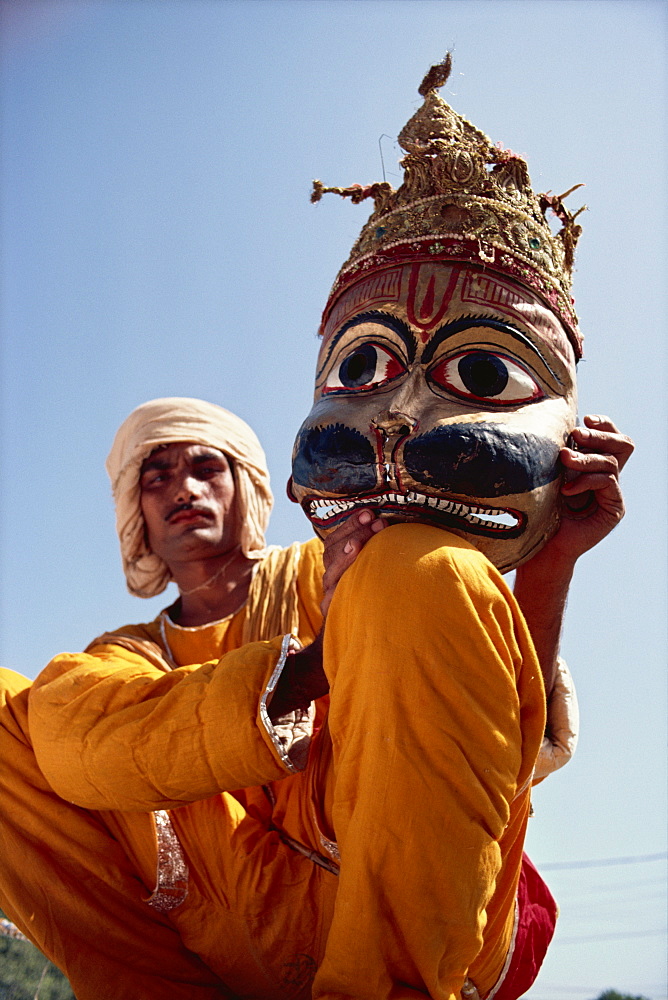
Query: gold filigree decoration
171, 886
471, 198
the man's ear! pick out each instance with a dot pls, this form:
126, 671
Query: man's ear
289, 490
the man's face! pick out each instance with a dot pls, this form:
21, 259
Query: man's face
188, 502
443, 394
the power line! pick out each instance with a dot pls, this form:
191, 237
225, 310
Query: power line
602, 862
613, 936
543, 990
636, 884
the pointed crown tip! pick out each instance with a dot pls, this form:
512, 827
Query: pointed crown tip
436, 76
464, 199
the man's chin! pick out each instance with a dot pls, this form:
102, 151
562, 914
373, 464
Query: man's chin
194, 542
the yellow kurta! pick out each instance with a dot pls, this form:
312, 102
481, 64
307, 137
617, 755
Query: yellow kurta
417, 783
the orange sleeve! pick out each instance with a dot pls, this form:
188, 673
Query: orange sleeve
111, 731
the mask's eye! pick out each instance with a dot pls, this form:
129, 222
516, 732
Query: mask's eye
366, 367
488, 377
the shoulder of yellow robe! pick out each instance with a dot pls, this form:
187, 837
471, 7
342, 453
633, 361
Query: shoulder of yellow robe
144, 640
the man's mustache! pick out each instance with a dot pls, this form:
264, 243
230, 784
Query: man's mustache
185, 506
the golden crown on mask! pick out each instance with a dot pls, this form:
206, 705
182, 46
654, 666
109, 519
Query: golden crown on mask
464, 200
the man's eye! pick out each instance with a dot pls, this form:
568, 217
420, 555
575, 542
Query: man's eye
488, 377
148, 484
366, 367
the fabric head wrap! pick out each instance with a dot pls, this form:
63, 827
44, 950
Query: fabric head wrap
169, 421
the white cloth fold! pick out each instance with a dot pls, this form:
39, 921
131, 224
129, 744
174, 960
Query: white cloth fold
563, 725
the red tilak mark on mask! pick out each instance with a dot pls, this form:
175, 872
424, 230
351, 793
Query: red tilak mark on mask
427, 314
427, 306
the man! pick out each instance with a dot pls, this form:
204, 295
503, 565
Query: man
78, 881
81, 887
445, 394
384, 864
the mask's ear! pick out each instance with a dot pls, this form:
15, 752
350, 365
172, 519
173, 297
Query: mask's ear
289, 490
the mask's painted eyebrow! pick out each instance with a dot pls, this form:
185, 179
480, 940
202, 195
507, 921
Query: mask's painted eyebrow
382, 319
469, 322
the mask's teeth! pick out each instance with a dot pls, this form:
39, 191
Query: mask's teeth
325, 510
492, 519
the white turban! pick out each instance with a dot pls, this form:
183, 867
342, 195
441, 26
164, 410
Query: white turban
168, 421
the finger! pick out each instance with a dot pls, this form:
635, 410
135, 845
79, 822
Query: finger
336, 569
341, 553
362, 518
357, 529
338, 562
619, 445
580, 505
368, 518
596, 421
596, 481
600, 496
596, 439
347, 546
600, 434
581, 463
592, 493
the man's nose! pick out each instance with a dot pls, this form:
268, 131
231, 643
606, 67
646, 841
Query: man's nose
187, 489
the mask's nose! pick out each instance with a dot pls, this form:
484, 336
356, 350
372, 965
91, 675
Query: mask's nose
394, 423
391, 427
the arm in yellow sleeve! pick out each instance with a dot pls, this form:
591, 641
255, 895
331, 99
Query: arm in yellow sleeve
111, 731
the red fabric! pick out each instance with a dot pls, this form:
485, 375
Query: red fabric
537, 920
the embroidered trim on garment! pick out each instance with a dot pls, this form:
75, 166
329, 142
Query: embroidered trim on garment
171, 885
469, 990
165, 640
330, 846
511, 951
313, 856
291, 735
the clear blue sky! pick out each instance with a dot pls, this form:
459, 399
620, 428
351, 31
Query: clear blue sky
158, 239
